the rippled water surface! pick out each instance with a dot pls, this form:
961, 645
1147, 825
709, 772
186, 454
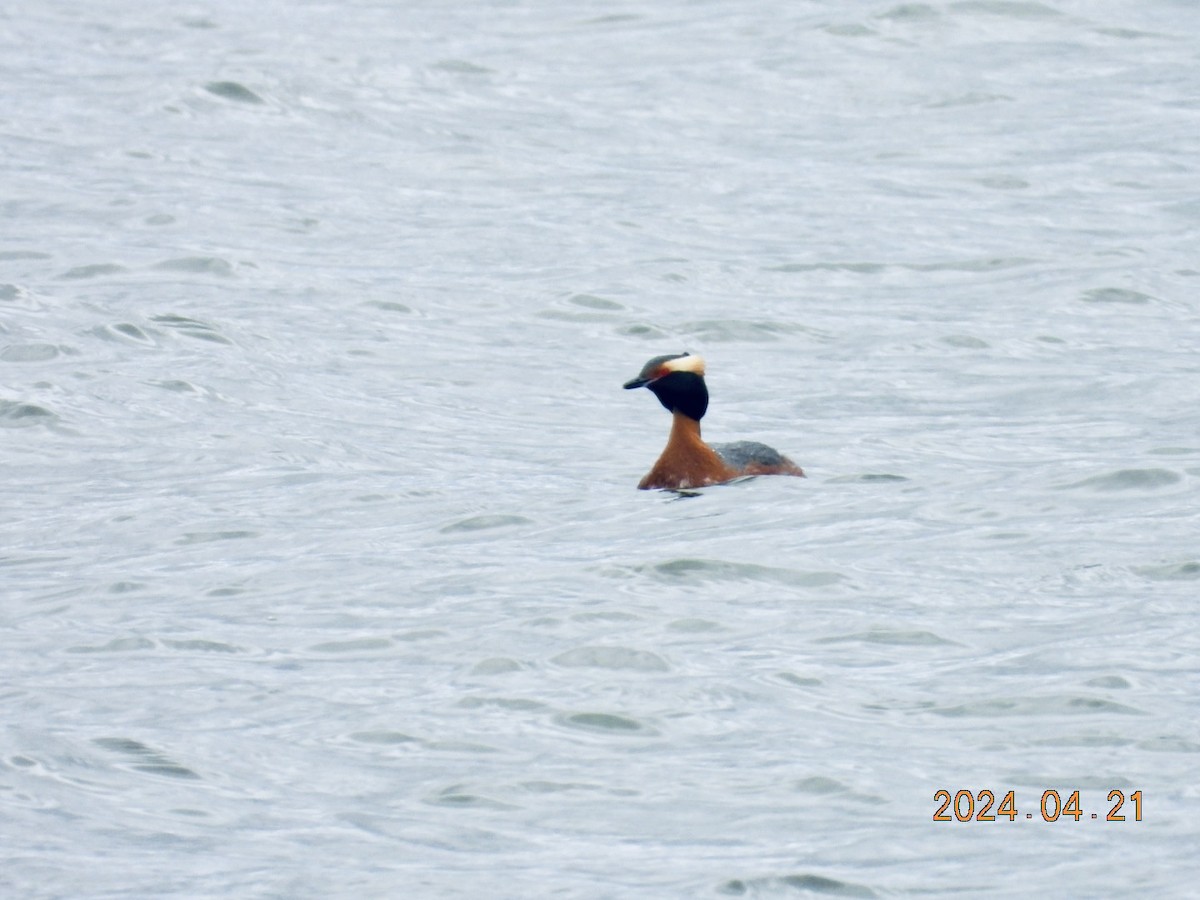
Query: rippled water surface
322, 566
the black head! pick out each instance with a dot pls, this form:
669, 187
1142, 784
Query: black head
677, 380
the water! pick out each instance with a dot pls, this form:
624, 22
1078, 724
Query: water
323, 569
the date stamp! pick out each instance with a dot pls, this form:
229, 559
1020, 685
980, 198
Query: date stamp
981, 806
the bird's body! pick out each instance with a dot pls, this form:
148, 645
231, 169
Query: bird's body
686, 461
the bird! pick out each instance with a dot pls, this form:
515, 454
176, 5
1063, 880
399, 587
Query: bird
677, 380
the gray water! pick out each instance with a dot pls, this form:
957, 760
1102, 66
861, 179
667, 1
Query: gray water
322, 565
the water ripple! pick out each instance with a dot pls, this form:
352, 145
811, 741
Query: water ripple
1129, 480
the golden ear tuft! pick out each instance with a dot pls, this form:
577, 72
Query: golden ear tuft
690, 363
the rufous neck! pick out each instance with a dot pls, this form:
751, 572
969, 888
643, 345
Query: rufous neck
684, 428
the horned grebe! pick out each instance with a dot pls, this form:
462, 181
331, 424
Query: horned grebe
677, 380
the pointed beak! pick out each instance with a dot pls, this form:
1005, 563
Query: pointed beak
636, 383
